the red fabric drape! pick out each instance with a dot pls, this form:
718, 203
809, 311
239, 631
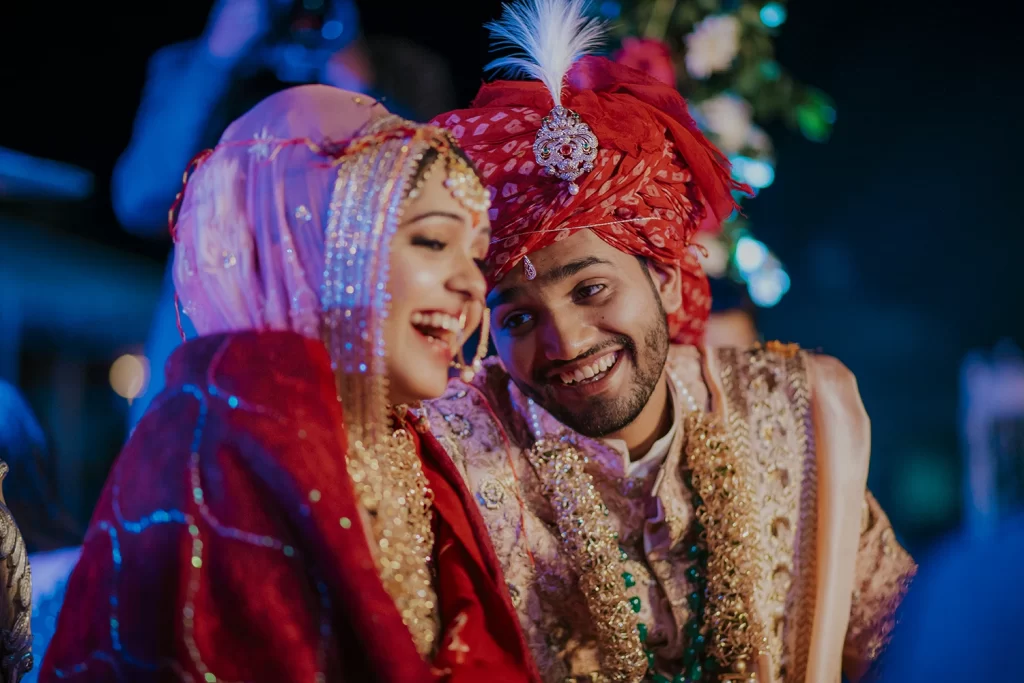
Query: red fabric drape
227, 544
656, 180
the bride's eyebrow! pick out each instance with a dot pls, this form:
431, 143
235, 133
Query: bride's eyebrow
435, 214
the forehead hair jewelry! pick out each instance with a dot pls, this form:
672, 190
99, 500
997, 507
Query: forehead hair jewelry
460, 180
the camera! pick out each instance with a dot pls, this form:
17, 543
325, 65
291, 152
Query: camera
305, 33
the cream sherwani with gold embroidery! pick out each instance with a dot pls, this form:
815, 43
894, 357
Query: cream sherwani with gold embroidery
831, 571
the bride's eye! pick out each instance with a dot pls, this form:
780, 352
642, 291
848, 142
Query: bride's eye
433, 245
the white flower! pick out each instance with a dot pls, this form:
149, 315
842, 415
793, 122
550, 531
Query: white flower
759, 141
716, 262
728, 118
712, 46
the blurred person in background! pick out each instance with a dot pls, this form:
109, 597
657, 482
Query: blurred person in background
733, 319
961, 621
33, 501
248, 50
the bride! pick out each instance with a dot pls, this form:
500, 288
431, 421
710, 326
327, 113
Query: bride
283, 512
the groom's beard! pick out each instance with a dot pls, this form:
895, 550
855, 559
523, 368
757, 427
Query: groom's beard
599, 416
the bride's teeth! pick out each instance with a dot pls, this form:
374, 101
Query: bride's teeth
417, 318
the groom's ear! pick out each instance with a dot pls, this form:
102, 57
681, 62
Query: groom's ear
666, 279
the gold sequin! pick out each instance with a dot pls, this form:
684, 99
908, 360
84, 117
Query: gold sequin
735, 563
783, 349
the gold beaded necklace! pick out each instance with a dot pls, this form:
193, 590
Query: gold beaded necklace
724, 541
389, 480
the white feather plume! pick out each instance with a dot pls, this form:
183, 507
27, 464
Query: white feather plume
550, 36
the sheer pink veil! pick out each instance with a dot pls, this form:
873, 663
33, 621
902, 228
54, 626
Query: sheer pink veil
249, 240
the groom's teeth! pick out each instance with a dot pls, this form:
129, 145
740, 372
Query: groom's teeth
589, 371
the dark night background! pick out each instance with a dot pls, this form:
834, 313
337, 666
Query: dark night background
901, 234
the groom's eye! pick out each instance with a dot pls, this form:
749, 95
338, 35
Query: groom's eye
587, 291
514, 320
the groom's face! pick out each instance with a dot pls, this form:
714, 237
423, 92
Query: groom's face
587, 337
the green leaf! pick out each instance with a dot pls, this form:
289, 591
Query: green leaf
748, 81
815, 115
687, 14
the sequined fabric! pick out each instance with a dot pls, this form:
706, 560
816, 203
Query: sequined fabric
764, 398
228, 544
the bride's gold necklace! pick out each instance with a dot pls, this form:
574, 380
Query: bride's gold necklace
389, 480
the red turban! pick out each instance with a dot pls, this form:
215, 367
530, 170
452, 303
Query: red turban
656, 178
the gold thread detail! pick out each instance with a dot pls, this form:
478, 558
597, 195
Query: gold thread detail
736, 567
591, 544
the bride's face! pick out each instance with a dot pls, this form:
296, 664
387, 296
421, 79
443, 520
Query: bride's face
436, 287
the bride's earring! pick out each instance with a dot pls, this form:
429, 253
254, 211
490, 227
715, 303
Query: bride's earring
467, 371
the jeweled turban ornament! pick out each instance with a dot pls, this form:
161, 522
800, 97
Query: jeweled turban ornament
550, 36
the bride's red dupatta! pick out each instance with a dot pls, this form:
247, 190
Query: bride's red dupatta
227, 544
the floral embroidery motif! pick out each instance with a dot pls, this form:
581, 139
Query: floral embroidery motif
459, 424
513, 593
491, 494
261, 145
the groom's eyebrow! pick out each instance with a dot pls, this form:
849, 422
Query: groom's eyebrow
550, 277
567, 270
499, 297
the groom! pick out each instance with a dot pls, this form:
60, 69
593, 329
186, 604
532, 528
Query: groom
662, 512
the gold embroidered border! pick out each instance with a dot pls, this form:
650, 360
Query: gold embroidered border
724, 478
801, 612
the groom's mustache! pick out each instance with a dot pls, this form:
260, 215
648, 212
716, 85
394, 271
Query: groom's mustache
543, 374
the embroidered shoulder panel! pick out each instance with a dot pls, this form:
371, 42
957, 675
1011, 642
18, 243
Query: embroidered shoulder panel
766, 400
488, 453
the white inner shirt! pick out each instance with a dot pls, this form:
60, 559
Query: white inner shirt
652, 459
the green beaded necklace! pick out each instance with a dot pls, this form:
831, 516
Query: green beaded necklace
696, 663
